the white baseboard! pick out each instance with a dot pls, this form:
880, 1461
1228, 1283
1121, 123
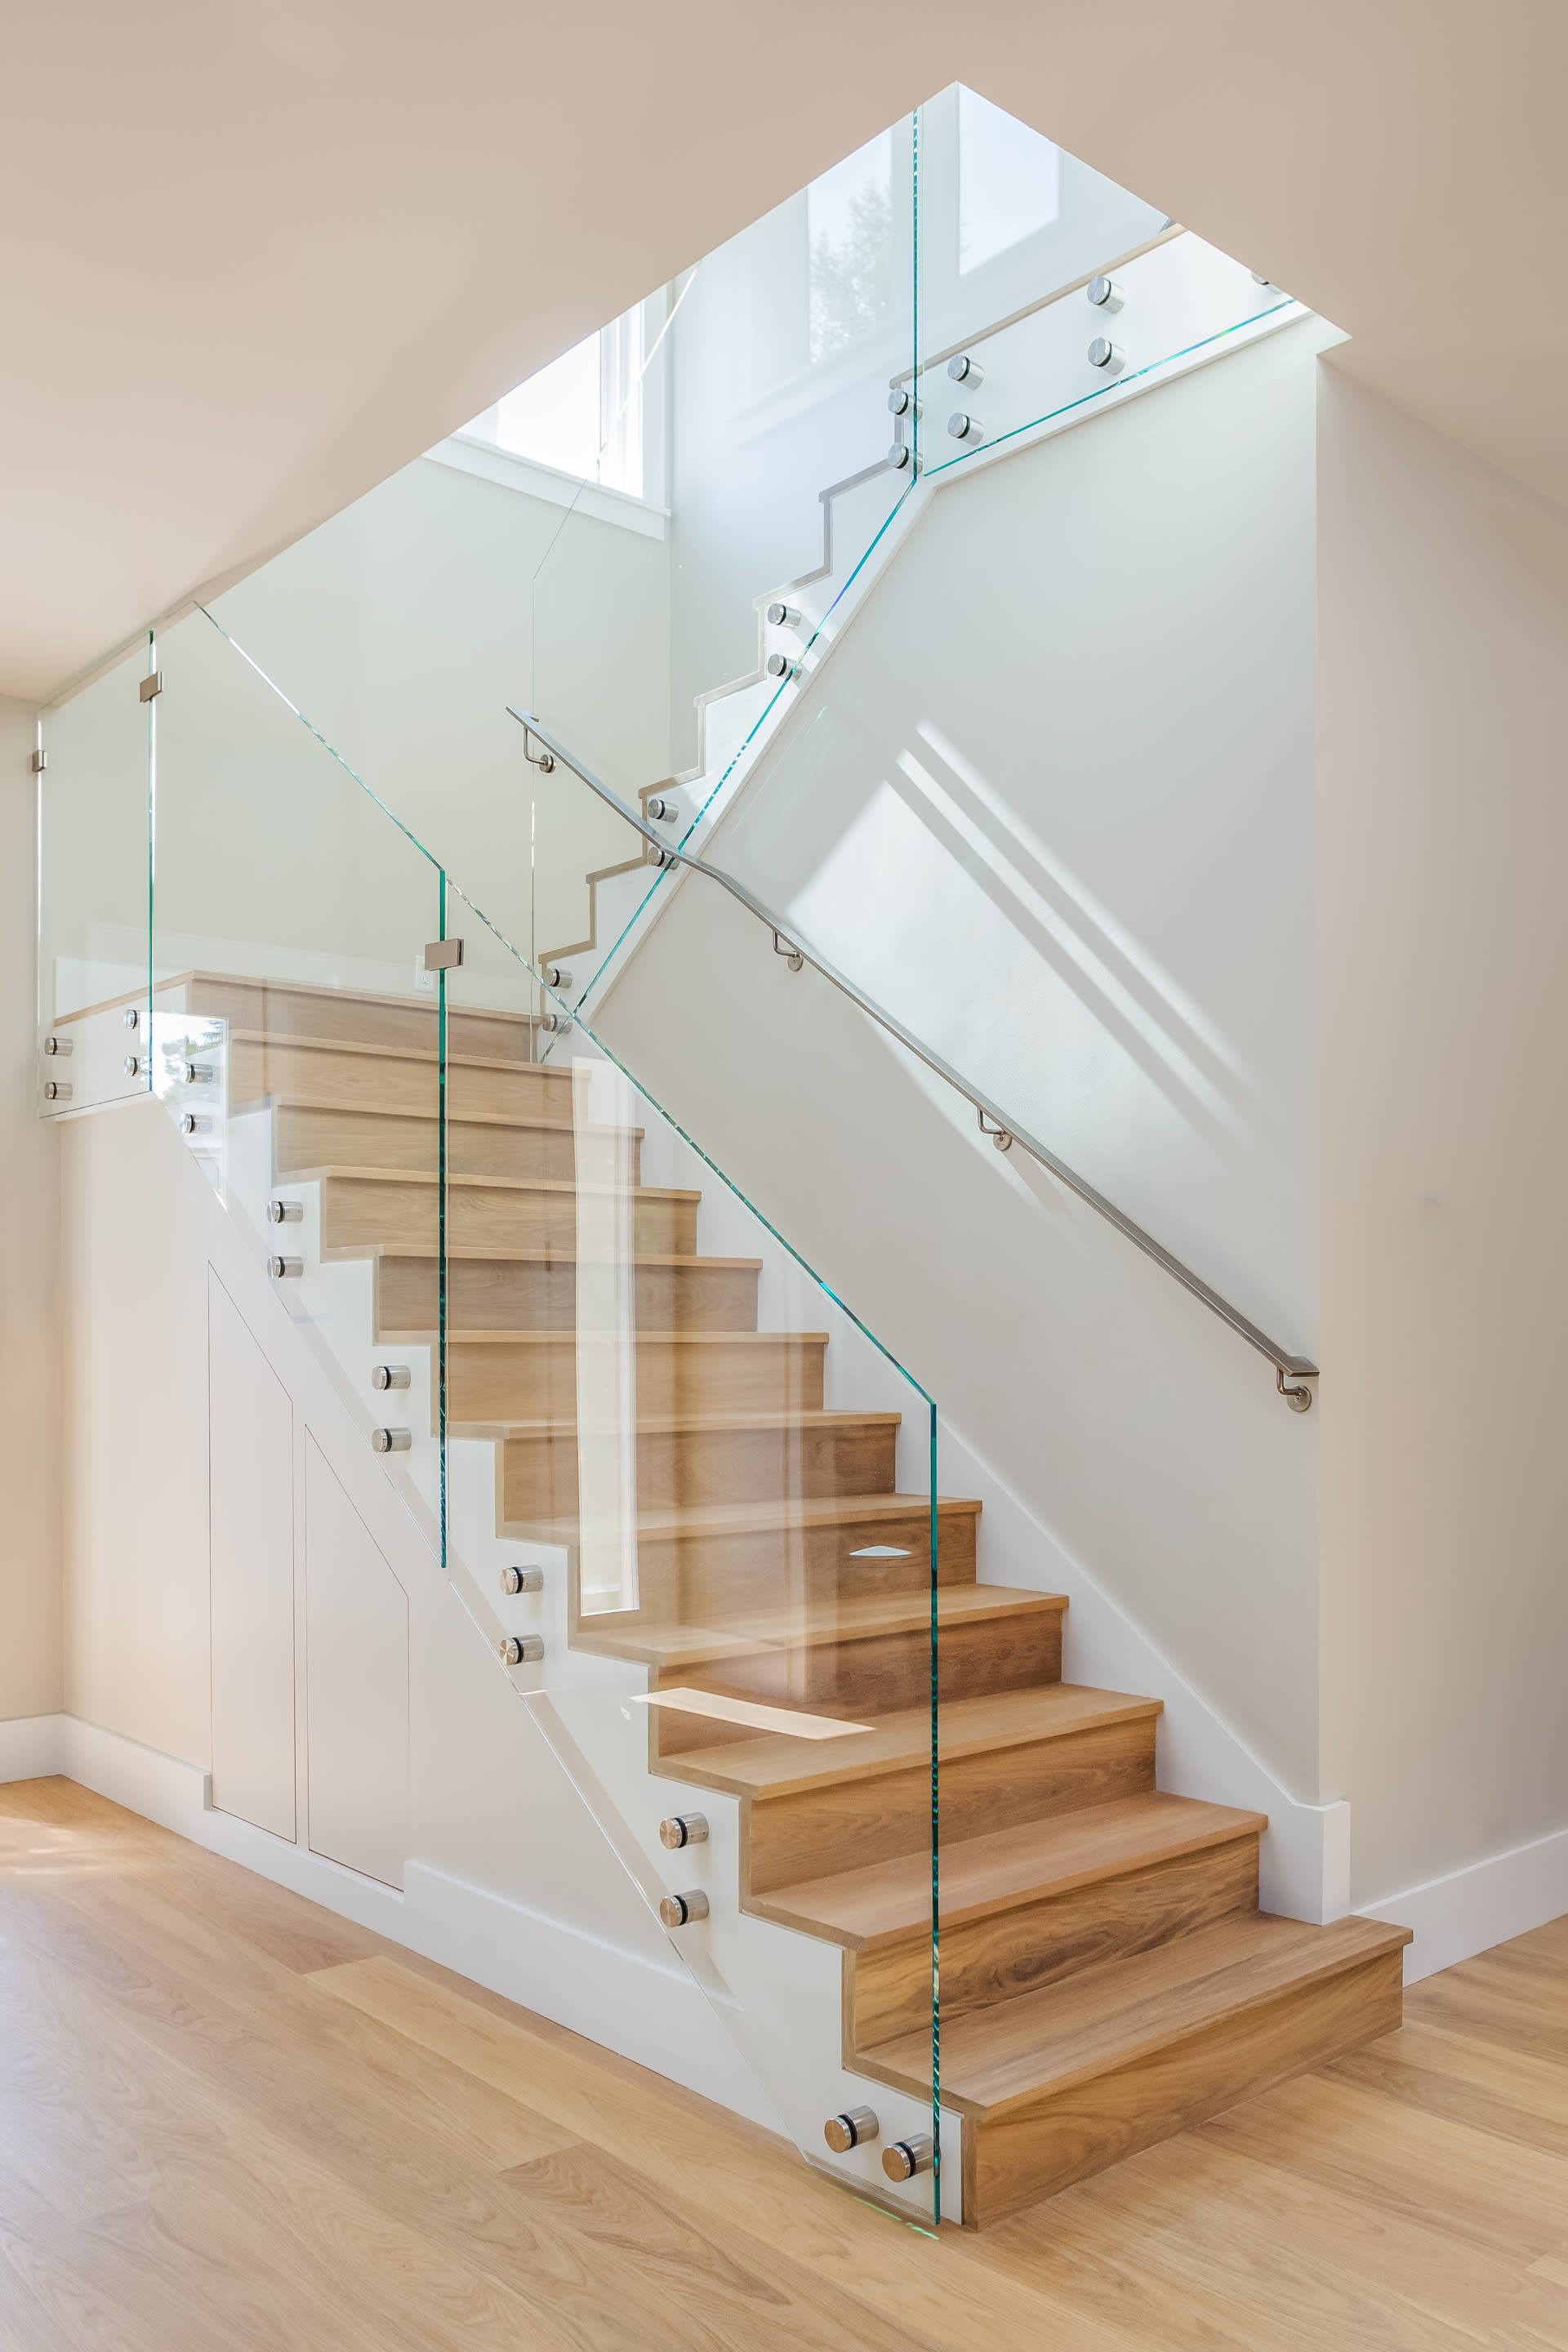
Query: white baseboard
1485, 1902
657, 2017
30, 1747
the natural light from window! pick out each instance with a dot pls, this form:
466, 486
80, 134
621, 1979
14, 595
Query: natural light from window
583, 413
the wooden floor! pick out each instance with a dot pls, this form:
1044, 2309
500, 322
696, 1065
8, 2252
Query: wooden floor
230, 2119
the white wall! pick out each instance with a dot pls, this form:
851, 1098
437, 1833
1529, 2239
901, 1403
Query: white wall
404, 627
1052, 798
30, 1654
1443, 714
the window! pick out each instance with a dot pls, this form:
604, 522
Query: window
582, 415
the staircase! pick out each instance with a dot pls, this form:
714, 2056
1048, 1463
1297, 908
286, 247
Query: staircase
1107, 1976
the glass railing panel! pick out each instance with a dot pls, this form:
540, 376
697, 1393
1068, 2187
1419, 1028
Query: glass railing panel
698, 1499
1045, 288
94, 888
761, 379
296, 1031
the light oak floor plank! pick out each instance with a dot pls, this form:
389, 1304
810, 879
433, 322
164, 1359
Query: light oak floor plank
230, 2121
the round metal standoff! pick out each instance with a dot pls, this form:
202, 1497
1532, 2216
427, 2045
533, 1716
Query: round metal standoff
781, 666
57, 1045
522, 1580
660, 810
190, 1074
965, 427
391, 1441
389, 1376
963, 370
905, 2158
898, 455
783, 616
132, 1066
557, 975
901, 402
284, 1269
131, 1017
522, 1650
56, 1090
1258, 278
658, 858
1106, 355
679, 1830
855, 2128
189, 1122
285, 1213
1105, 294
679, 1910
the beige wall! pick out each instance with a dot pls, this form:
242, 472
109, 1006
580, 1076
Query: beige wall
1444, 951
30, 1662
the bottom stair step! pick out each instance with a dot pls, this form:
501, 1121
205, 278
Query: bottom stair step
1057, 2083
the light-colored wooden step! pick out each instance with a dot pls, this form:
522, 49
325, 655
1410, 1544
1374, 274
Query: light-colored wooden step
313, 1132
1010, 1756
364, 1205
392, 1077
1027, 1863
716, 1559
672, 1649
1060, 2083
857, 1657
701, 1458
503, 1376
538, 1290
295, 1008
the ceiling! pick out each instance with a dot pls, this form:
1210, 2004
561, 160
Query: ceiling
258, 258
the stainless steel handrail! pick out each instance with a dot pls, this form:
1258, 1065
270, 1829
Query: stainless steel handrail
1002, 1131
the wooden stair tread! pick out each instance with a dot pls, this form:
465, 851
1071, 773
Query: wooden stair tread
695, 1423
508, 1253
288, 1040
1029, 1862
202, 977
523, 1120
562, 1185
966, 1727
811, 1623
644, 1336
748, 1518
1121, 2011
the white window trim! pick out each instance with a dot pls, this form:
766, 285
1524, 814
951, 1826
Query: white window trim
467, 454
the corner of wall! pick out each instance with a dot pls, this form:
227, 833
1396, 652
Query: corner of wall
31, 1637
